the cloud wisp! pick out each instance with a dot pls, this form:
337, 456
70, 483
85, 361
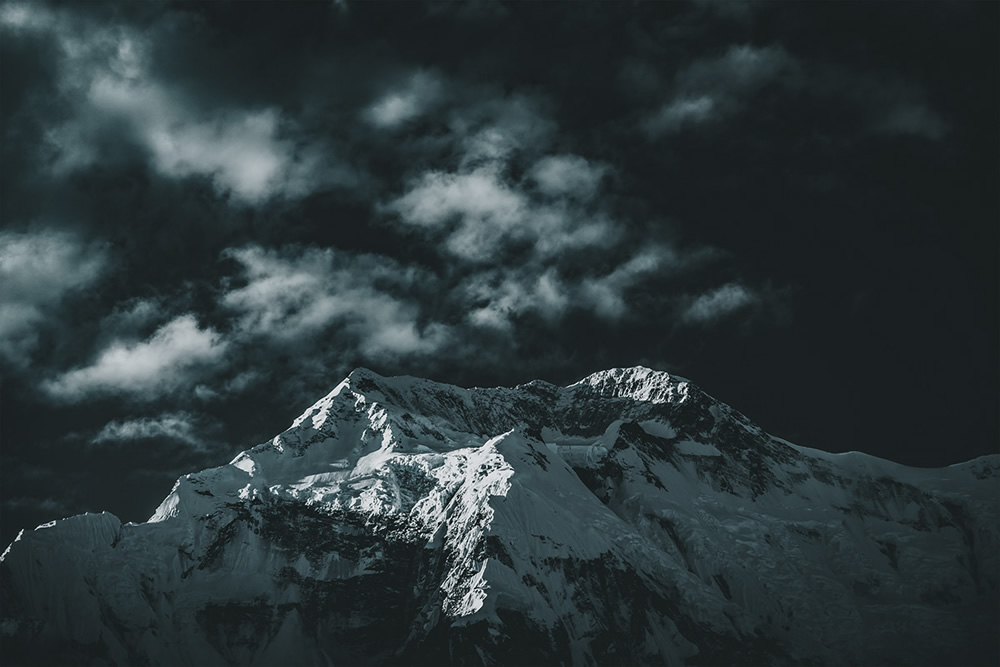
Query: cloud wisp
568, 175
38, 269
418, 95
712, 89
719, 303
299, 293
715, 89
176, 353
178, 427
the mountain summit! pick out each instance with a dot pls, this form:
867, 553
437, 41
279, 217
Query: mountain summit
629, 518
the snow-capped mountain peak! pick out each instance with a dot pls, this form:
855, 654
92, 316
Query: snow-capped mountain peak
627, 518
638, 383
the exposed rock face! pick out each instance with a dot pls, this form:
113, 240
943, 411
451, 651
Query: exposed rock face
627, 519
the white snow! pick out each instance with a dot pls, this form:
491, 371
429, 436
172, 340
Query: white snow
660, 429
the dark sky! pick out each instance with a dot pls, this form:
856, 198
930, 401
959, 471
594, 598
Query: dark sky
211, 212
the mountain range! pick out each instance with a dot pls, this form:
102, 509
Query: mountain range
627, 519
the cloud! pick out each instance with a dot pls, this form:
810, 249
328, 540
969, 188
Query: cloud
739, 10
570, 175
507, 297
242, 152
50, 506
130, 317
914, 119
173, 357
713, 89
881, 102
497, 298
719, 303
38, 269
111, 102
413, 99
22, 16
484, 210
299, 293
491, 127
606, 294
438, 197
676, 114
742, 69
520, 220
177, 426
480, 213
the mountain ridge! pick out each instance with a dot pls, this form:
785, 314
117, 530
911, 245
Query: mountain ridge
626, 518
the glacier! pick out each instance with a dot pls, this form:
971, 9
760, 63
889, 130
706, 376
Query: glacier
627, 519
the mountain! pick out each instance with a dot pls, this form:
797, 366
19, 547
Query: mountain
629, 518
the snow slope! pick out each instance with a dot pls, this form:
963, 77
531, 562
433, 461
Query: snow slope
629, 518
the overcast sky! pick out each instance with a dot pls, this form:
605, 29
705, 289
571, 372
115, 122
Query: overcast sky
211, 212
